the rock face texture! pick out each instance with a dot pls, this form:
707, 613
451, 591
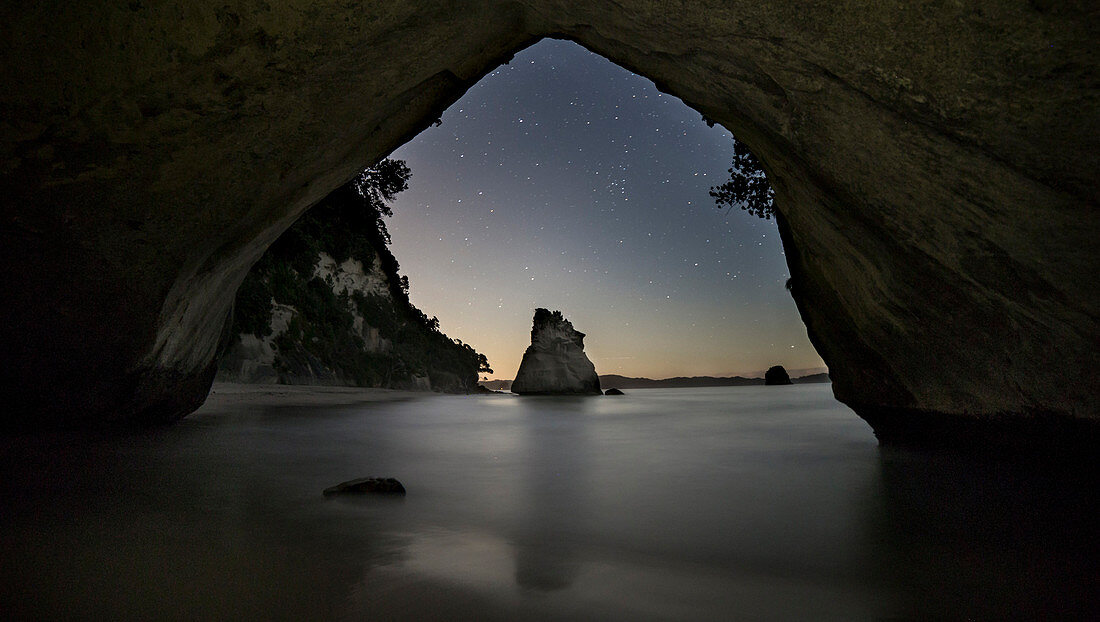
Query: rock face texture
776, 375
555, 363
934, 167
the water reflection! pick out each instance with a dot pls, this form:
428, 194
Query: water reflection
735, 503
986, 539
177, 524
556, 481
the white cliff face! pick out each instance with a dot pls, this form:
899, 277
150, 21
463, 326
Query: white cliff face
252, 360
350, 277
555, 362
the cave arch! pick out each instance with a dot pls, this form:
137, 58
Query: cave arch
564, 181
938, 205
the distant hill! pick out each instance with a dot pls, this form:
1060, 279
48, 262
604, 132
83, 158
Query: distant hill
626, 382
794, 373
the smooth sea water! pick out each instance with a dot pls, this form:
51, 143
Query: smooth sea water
740, 503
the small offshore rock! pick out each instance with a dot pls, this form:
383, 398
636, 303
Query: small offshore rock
776, 375
613, 391
367, 485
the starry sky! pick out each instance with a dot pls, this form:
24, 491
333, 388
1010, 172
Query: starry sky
563, 181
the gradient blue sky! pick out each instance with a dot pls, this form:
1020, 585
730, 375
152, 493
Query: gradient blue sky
564, 181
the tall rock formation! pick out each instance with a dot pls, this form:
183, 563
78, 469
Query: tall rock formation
555, 363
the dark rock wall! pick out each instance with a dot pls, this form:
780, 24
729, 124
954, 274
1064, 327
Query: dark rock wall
934, 166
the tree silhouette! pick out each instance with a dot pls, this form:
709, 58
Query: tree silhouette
380, 183
748, 187
483, 364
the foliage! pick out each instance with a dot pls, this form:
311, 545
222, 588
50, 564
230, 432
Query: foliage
321, 337
382, 183
252, 309
483, 364
748, 187
347, 224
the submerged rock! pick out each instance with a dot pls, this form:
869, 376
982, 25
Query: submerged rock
367, 485
613, 391
776, 375
555, 363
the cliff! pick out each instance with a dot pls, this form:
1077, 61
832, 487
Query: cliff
326, 306
555, 362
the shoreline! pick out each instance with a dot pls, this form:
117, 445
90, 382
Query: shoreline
227, 395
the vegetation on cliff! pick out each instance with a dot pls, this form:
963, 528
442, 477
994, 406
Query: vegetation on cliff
748, 186
322, 333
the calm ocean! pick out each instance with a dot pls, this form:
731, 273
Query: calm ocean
740, 503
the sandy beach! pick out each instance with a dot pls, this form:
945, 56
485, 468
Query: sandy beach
228, 395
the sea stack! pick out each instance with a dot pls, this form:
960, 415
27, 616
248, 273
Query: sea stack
555, 363
776, 375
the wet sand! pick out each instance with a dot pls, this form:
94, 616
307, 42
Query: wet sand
225, 396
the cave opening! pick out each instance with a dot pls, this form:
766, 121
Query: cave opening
939, 218
562, 180
909, 175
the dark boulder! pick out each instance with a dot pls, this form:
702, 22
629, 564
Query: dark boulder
613, 392
776, 375
367, 485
